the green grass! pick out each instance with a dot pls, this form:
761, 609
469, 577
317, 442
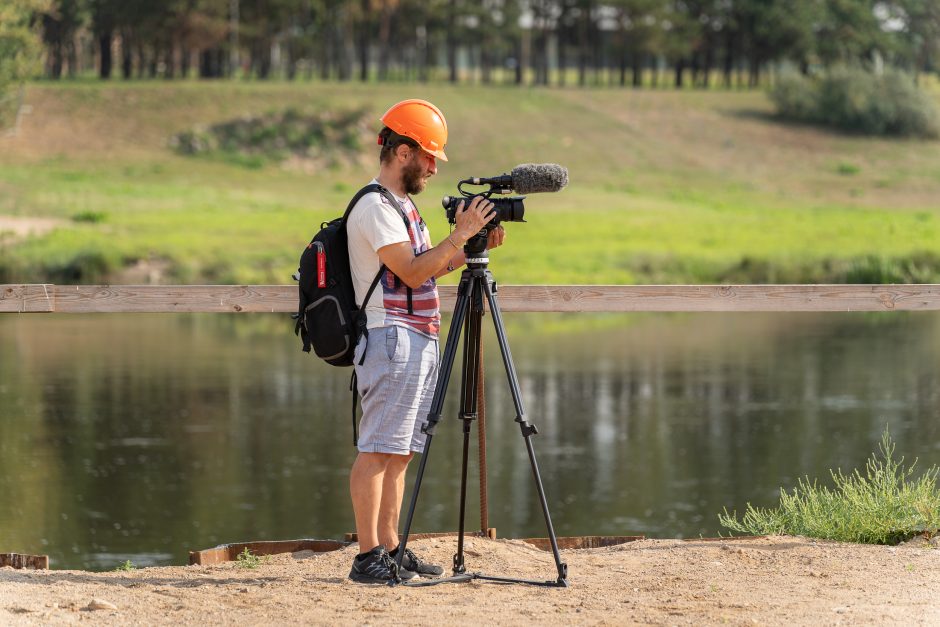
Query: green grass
125, 566
666, 187
886, 505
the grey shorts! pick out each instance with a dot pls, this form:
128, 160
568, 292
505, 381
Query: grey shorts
396, 383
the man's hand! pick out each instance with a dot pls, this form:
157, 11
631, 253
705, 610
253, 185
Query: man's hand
473, 218
495, 237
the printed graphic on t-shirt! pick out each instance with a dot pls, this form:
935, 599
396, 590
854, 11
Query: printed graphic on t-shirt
425, 304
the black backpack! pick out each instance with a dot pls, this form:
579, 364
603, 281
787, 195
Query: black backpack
328, 318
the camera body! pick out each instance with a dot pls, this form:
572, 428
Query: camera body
508, 209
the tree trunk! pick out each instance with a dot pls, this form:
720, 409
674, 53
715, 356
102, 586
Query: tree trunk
423, 51
486, 58
55, 68
582, 55
452, 41
729, 61
385, 34
637, 70
363, 44
343, 58
169, 61
141, 59
680, 70
210, 65
291, 62
127, 57
184, 62
72, 54
104, 48
709, 60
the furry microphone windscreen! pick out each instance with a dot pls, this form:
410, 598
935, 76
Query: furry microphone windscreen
531, 178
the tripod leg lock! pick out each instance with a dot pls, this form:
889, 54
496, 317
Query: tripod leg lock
428, 427
527, 429
472, 416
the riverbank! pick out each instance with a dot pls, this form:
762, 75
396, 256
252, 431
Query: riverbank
740, 581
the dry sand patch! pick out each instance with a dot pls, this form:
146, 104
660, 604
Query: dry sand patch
766, 581
16, 227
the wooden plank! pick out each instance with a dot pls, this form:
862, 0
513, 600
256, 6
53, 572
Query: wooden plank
38, 298
512, 298
176, 298
582, 542
20, 560
692, 298
230, 552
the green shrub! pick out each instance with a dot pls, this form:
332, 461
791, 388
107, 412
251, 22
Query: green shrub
795, 97
855, 100
847, 169
87, 266
252, 141
884, 506
91, 217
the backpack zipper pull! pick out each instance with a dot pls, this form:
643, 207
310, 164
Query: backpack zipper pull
321, 266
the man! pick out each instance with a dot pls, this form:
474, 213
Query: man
399, 354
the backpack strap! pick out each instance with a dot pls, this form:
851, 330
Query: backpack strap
354, 388
380, 189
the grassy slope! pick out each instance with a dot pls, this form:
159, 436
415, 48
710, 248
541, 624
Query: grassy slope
665, 186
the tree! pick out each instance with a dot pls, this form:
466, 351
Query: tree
60, 22
849, 32
915, 25
19, 52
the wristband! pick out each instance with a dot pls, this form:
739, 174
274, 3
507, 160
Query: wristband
454, 244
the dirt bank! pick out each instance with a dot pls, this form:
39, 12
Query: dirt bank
767, 581
17, 227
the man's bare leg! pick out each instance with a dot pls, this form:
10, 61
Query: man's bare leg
393, 489
366, 481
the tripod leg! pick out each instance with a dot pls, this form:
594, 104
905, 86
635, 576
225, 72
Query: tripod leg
527, 429
437, 402
468, 404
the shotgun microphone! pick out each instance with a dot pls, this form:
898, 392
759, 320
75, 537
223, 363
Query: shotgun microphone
528, 178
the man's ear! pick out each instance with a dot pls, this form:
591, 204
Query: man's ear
404, 156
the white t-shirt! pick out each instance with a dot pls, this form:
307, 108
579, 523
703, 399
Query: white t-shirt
372, 224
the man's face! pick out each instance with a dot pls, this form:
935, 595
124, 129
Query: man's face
415, 174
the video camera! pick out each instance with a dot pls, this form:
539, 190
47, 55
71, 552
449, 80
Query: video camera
528, 178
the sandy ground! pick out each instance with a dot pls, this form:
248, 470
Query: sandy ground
21, 227
765, 581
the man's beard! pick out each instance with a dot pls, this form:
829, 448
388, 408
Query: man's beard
412, 178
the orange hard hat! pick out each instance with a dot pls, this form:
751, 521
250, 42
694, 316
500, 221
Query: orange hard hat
422, 122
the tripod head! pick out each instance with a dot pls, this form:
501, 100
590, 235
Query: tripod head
475, 250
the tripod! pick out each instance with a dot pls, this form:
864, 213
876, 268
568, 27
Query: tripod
476, 281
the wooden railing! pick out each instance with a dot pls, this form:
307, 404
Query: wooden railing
37, 298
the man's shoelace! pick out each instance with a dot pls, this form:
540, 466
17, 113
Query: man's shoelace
389, 562
414, 562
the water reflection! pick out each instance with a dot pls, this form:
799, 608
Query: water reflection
140, 437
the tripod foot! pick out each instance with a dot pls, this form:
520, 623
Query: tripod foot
422, 583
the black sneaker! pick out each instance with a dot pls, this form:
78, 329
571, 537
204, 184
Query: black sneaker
377, 567
413, 563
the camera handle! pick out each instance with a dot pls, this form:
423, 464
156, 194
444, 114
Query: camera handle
476, 282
